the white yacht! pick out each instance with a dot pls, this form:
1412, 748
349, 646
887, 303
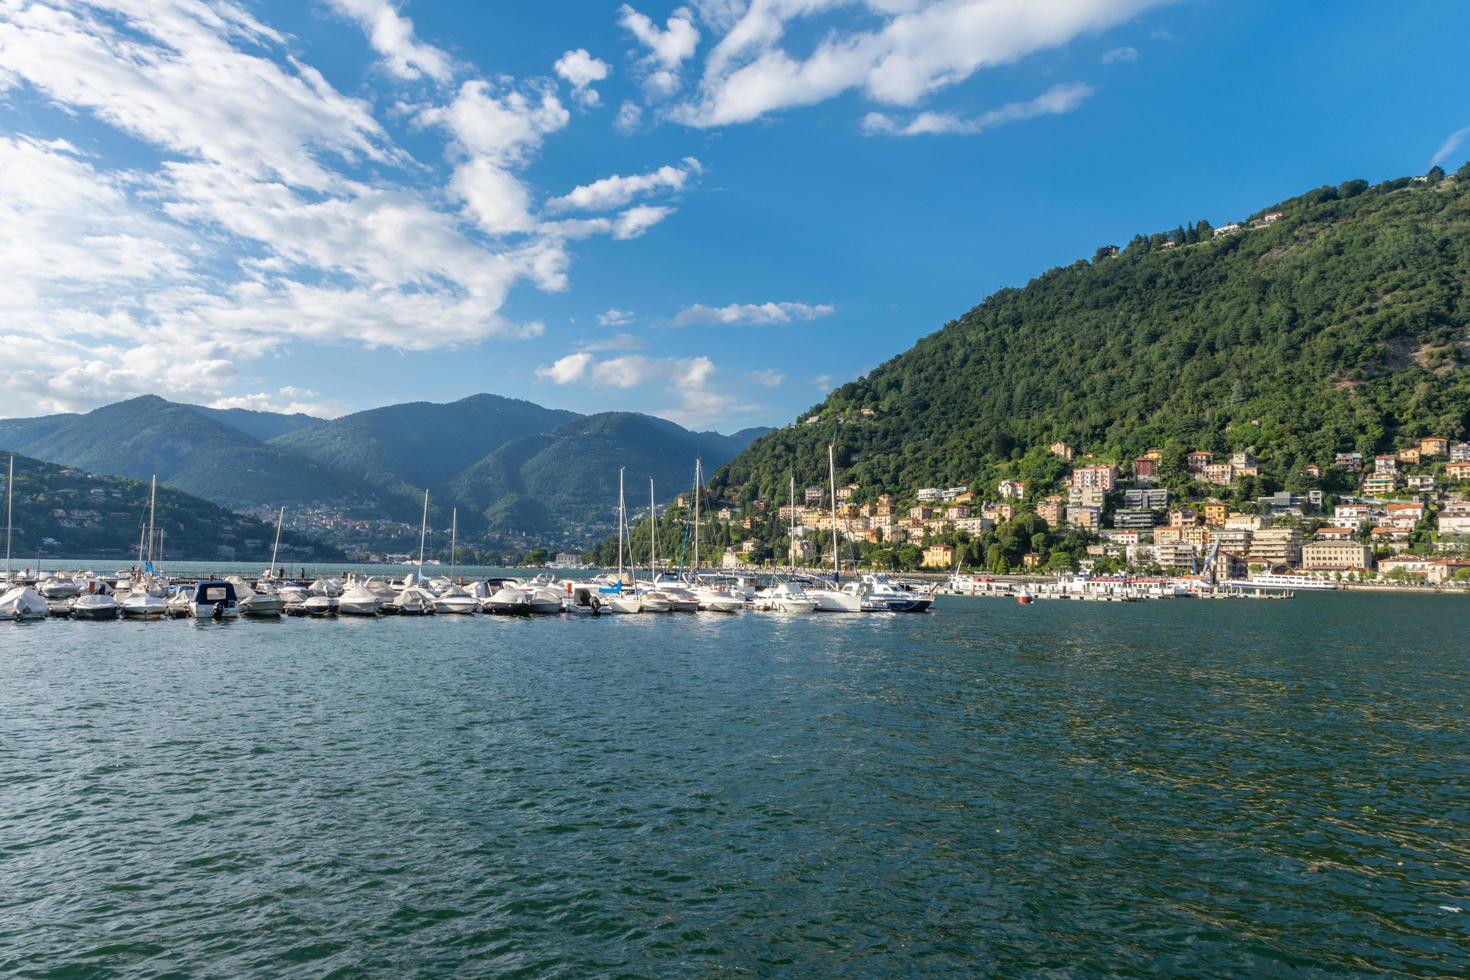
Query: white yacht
544, 601
144, 601
415, 601
59, 587
261, 604
881, 591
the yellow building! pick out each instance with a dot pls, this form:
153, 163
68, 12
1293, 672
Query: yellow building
939, 556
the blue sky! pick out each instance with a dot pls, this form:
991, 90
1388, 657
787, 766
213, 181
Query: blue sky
710, 211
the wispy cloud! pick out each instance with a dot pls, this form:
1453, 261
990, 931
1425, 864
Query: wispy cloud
1054, 101
689, 379
916, 48
752, 314
614, 192
614, 317
769, 378
1114, 55
1449, 146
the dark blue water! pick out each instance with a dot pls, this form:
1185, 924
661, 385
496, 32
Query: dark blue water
1186, 787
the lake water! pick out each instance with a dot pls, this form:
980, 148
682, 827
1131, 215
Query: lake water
1187, 787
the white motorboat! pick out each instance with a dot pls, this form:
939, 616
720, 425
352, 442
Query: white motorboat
142, 602
330, 587
359, 601
896, 596
292, 594
544, 601
655, 601
259, 605
214, 599
785, 597
714, 599
508, 600
181, 603
681, 597
456, 601
835, 600
94, 605
22, 602
623, 604
320, 605
583, 600
415, 601
57, 587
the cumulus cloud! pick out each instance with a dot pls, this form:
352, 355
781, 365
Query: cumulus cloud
614, 192
752, 314
580, 70
669, 47
391, 35
918, 47
1058, 100
629, 118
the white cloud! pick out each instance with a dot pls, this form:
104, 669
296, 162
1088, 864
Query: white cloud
580, 70
769, 378
391, 35
629, 118
635, 221
619, 341
1449, 146
919, 47
269, 208
823, 382
614, 192
758, 314
690, 380
613, 317
566, 370
494, 134
1125, 53
669, 47
286, 401
1055, 101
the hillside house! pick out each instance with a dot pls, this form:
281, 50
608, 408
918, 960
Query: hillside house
1457, 471
1062, 451
1352, 462
1102, 477
1011, 489
939, 556
1432, 446
1198, 460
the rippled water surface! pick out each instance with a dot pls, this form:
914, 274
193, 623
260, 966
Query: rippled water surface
1200, 787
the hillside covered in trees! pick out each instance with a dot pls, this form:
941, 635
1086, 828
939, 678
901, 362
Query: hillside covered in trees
1335, 321
60, 511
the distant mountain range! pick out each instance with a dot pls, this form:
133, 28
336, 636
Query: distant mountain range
64, 512
508, 465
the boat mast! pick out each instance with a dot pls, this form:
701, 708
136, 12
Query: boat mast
652, 535
791, 530
453, 537
423, 536
621, 522
696, 516
9, 514
152, 506
832, 482
276, 550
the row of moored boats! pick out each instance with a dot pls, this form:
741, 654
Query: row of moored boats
88, 596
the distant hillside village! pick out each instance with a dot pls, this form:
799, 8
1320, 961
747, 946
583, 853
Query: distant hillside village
1405, 516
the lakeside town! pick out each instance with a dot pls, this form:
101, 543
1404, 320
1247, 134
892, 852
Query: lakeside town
1397, 517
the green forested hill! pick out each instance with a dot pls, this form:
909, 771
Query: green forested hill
186, 447
570, 475
1340, 326
62, 511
